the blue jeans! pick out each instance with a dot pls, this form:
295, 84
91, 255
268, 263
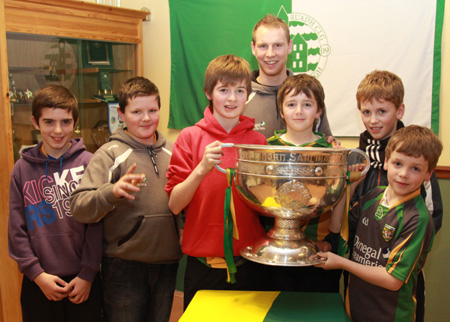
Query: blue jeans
137, 292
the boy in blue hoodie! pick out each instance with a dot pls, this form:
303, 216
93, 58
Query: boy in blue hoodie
59, 257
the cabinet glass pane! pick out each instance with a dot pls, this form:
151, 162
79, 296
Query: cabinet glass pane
92, 70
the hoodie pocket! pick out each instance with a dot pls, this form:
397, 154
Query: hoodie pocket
154, 238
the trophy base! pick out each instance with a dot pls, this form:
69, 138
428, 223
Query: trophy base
107, 97
278, 252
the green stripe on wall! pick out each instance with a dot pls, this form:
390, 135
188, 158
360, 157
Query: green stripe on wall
440, 6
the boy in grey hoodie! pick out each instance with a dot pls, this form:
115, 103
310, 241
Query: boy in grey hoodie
124, 188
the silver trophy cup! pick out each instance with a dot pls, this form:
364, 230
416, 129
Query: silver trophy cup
292, 185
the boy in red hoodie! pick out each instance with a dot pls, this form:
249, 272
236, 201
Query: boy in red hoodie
197, 188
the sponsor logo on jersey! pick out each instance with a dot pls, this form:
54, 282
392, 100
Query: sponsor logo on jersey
380, 213
365, 254
386, 252
365, 221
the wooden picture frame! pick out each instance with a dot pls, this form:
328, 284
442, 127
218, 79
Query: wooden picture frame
97, 54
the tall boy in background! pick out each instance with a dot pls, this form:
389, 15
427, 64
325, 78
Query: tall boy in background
59, 257
271, 45
140, 240
195, 186
380, 101
394, 232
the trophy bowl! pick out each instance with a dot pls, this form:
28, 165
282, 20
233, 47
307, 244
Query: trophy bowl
291, 184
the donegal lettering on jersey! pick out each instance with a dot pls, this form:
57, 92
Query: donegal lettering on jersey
398, 238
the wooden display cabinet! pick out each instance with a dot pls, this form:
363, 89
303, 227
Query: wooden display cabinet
92, 70
45, 42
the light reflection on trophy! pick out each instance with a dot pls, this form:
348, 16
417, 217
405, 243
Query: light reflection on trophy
291, 184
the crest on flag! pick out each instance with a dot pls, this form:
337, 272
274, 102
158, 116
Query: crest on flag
310, 47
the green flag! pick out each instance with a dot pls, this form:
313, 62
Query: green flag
200, 31
339, 42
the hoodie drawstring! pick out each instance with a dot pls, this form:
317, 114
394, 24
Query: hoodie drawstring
152, 157
60, 164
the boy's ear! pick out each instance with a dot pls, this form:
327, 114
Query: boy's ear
318, 114
76, 122
208, 96
120, 114
290, 46
428, 177
252, 44
280, 109
35, 124
400, 111
385, 167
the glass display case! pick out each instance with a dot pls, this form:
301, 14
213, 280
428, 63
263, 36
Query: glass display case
88, 47
92, 70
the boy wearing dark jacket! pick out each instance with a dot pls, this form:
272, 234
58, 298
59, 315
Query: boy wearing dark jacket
380, 100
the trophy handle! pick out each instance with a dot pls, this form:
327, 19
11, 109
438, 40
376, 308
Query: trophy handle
224, 145
366, 157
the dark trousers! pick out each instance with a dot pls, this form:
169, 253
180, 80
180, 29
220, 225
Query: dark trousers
302, 279
135, 291
198, 276
37, 308
420, 298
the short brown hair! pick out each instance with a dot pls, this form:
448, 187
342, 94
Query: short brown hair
270, 21
381, 85
302, 83
415, 141
54, 96
229, 70
137, 87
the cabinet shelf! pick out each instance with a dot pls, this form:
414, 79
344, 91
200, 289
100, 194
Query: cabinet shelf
90, 100
26, 70
94, 70
47, 69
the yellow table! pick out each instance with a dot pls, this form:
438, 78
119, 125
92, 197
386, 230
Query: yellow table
252, 306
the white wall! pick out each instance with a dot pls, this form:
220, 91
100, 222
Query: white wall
156, 52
